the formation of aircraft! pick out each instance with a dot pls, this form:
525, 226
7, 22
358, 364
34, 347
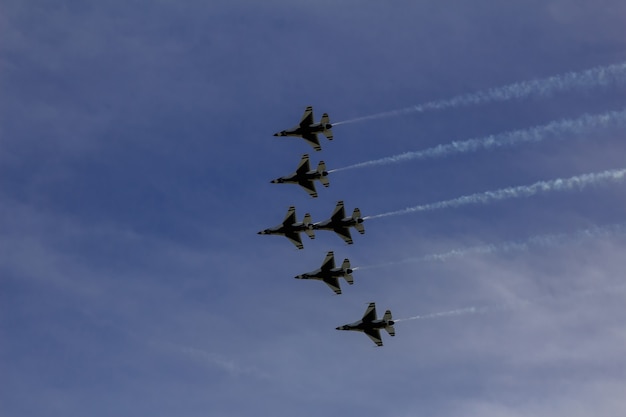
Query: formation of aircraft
329, 274
291, 228
307, 129
371, 325
341, 224
338, 223
305, 178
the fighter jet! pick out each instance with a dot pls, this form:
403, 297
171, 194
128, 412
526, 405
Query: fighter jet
307, 129
371, 326
329, 274
305, 178
291, 229
340, 224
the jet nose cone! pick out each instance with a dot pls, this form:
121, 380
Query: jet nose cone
276, 134
338, 328
298, 277
273, 181
259, 233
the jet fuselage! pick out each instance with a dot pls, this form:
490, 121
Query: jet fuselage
304, 130
286, 228
332, 224
361, 326
325, 273
298, 178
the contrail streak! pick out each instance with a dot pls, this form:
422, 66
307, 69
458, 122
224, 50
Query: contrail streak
451, 313
554, 129
541, 241
560, 184
594, 77
515, 305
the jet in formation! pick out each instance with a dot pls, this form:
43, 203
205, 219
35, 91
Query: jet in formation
341, 224
330, 274
305, 178
370, 325
307, 129
291, 229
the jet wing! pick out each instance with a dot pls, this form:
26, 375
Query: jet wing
290, 218
303, 167
313, 140
309, 186
374, 334
370, 313
295, 239
307, 117
339, 212
333, 283
329, 261
344, 233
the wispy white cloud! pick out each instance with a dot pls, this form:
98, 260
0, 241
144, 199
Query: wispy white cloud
231, 366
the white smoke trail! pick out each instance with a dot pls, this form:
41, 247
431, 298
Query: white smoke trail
560, 184
594, 77
541, 241
451, 313
575, 295
471, 310
554, 129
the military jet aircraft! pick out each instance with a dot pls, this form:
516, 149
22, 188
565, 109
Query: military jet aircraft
371, 326
329, 274
341, 224
305, 178
291, 229
307, 129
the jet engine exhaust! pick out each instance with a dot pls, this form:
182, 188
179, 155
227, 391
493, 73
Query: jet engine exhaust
546, 87
576, 295
539, 241
554, 130
559, 184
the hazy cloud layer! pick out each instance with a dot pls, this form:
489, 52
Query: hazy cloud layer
136, 151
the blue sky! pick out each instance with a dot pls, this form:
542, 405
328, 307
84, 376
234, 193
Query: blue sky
136, 151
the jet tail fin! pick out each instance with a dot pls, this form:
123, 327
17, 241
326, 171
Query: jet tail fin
321, 169
389, 327
346, 267
309, 230
387, 315
327, 126
356, 215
